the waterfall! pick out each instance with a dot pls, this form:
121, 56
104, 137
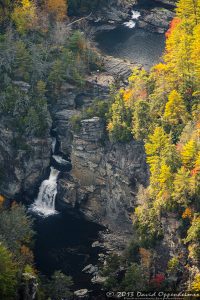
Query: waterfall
60, 160
53, 147
45, 202
135, 16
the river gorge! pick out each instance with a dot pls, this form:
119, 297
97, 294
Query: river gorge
79, 187
73, 206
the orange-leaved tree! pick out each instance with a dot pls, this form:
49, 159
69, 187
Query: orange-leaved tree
57, 9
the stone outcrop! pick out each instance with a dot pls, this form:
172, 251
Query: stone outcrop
113, 13
73, 99
155, 15
169, 247
118, 68
156, 20
168, 2
106, 177
22, 166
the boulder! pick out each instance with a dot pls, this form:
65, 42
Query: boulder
98, 279
90, 269
156, 20
83, 293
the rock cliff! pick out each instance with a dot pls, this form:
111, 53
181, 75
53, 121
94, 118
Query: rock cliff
23, 163
156, 19
107, 177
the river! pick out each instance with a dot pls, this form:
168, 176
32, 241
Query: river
137, 45
63, 240
63, 237
127, 41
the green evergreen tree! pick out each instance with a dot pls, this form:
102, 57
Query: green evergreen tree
8, 275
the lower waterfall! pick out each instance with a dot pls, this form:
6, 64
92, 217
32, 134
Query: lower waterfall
44, 204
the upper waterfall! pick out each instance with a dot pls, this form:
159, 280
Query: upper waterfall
134, 16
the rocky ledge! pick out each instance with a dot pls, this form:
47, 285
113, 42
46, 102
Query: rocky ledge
112, 14
156, 19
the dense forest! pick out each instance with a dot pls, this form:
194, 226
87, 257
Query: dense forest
160, 108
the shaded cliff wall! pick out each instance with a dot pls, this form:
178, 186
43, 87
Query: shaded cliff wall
23, 163
105, 177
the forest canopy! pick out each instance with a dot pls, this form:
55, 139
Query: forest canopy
161, 108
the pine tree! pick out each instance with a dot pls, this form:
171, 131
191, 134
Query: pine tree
195, 55
119, 126
175, 110
188, 9
163, 187
182, 191
188, 154
8, 273
141, 120
159, 147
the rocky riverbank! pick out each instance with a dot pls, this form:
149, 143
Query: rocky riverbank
154, 16
156, 19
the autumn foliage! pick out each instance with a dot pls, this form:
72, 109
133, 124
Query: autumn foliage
57, 8
158, 280
2, 199
172, 26
187, 214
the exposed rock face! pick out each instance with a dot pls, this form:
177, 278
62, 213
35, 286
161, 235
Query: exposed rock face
155, 15
21, 170
118, 68
114, 12
107, 177
62, 112
62, 123
168, 2
172, 246
156, 20
73, 99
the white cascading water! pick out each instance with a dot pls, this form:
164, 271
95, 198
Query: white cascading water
60, 160
45, 202
135, 16
53, 147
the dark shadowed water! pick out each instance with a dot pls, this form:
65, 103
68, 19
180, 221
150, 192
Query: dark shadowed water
137, 45
63, 242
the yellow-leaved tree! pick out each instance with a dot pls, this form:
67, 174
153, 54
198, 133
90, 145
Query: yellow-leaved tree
175, 109
25, 16
195, 54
